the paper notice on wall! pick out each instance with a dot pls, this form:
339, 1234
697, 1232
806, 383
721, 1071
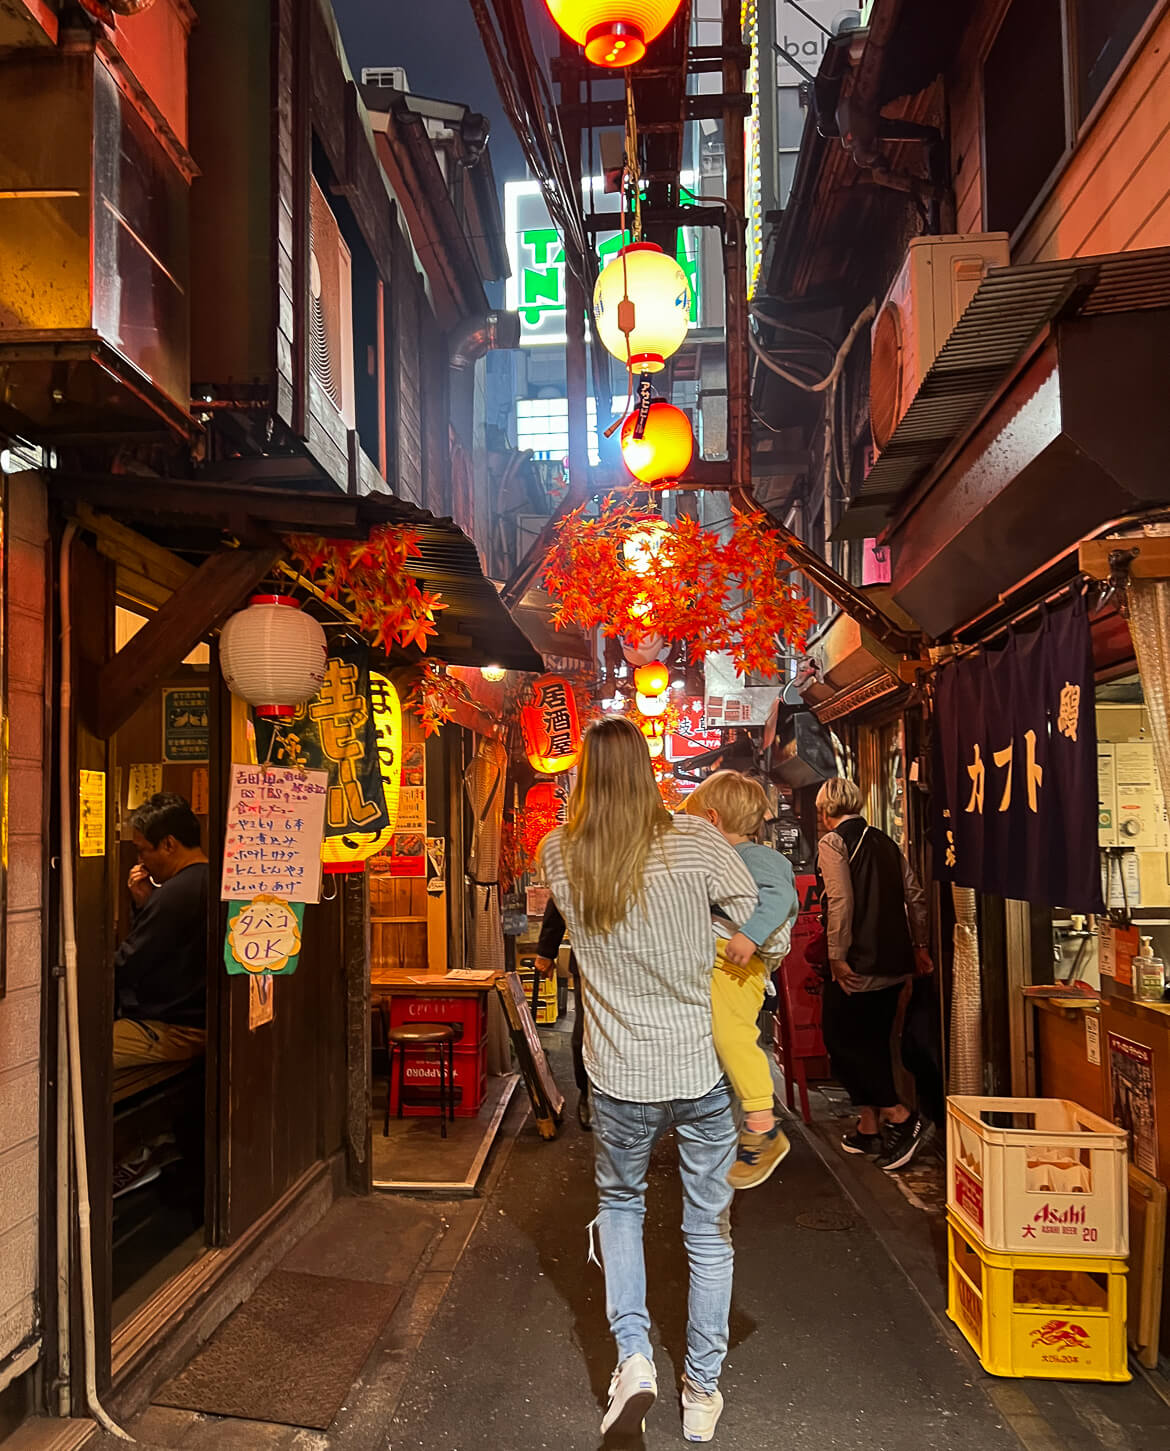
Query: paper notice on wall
200, 791
1106, 797
91, 816
1141, 810
275, 826
143, 782
1131, 1082
1106, 957
412, 810
1121, 880
1093, 1039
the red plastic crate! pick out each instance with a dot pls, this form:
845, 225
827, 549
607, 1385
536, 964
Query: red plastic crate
467, 1011
421, 1074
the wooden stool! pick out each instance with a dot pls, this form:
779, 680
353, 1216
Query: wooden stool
422, 1037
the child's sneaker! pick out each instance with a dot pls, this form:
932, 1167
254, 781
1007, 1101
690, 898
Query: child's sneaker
758, 1156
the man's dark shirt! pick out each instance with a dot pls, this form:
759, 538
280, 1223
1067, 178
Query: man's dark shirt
160, 971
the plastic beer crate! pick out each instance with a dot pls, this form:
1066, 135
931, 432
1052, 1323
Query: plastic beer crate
1058, 1317
1037, 1176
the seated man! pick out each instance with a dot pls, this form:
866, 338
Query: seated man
160, 970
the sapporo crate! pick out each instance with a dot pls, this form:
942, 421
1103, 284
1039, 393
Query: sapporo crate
1056, 1317
1037, 1176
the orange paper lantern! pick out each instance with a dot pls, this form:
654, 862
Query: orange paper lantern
551, 727
652, 679
663, 453
613, 32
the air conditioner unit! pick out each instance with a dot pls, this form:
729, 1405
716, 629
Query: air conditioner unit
331, 307
930, 293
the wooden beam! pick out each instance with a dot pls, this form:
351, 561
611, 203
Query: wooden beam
217, 586
1151, 560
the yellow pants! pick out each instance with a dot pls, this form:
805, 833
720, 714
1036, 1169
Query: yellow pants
737, 995
137, 1042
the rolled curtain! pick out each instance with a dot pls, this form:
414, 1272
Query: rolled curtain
966, 1065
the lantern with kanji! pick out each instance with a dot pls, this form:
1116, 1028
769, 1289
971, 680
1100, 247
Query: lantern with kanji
350, 851
662, 452
551, 726
613, 32
272, 655
642, 306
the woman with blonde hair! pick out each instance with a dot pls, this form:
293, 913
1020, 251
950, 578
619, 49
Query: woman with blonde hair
636, 887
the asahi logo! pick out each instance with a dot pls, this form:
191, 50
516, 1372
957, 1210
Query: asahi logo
1070, 1216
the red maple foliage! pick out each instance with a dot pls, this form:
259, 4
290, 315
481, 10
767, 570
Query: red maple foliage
719, 595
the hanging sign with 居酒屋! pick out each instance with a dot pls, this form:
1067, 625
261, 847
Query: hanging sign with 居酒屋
551, 726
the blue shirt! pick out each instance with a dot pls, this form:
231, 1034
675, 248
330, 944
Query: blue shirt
772, 874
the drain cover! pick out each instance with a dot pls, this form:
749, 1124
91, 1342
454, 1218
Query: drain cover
825, 1219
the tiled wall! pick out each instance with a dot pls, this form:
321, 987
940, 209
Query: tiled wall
20, 1009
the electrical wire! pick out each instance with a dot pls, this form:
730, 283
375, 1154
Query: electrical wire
866, 315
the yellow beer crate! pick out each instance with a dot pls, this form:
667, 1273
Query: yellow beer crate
1057, 1317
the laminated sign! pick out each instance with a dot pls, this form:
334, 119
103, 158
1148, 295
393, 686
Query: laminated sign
336, 732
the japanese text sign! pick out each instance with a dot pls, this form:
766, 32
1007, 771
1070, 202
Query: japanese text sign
336, 732
275, 819
1016, 768
264, 936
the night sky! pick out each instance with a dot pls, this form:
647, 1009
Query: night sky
438, 44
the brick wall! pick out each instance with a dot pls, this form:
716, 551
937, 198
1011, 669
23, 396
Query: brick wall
20, 1009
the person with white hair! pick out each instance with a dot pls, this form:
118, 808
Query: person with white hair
876, 929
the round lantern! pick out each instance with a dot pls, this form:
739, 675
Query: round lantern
663, 453
652, 679
551, 727
543, 811
613, 32
643, 545
642, 305
650, 704
493, 673
349, 853
273, 655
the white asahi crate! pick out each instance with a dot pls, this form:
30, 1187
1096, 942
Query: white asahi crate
1037, 1176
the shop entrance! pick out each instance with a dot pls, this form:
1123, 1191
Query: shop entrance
162, 911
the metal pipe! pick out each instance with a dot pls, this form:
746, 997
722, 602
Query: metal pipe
481, 335
739, 413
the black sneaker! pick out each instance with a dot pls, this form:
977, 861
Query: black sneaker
904, 1140
858, 1143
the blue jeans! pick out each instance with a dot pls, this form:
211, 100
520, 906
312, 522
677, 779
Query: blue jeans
624, 1134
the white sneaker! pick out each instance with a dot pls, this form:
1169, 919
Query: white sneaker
632, 1391
700, 1410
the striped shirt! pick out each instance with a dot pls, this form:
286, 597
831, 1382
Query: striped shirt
647, 996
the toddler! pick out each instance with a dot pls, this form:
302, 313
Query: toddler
737, 805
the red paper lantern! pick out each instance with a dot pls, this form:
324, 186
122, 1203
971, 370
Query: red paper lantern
663, 453
542, 814
613, 32
652, 679
551, 727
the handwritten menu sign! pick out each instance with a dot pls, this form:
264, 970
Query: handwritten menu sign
275, 824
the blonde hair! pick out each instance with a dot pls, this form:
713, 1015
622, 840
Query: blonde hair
740, 802
839, 797
615, 817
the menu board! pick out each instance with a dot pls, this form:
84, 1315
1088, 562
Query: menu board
275, 825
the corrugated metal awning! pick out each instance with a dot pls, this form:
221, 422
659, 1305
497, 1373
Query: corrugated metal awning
1008, 313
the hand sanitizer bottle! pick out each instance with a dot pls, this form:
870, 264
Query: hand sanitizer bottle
1149, 974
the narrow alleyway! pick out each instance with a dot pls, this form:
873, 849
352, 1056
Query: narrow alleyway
500, 1341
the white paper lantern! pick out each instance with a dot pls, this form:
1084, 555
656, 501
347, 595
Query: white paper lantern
272, 655
643, 296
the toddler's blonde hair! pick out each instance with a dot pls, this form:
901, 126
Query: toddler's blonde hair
740, 802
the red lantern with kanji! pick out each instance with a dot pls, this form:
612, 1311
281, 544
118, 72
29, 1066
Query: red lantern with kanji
543, 810
613, 32
551, 726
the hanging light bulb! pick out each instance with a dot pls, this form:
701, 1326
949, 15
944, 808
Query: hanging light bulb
613, 32
663, 453
642, 305
493, 672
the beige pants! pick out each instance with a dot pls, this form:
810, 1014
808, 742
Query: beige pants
153, 1042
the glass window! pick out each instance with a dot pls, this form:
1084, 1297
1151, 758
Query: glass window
1103, 31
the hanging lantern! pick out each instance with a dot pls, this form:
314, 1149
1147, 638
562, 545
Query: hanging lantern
655, 733
651, 704
652, 679
613, 32
643, 545
273, 655
664, 451
551, 727
543, 811
642, 304
349, 853
494, 673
